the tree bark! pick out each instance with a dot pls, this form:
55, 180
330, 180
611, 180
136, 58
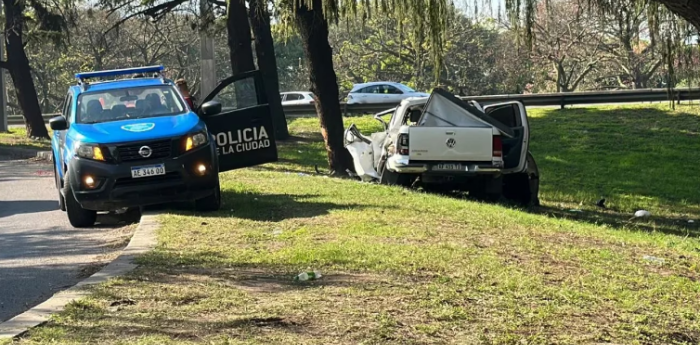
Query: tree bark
239, 38
18, 66
267, 63
240, 48
313, 28
686, 9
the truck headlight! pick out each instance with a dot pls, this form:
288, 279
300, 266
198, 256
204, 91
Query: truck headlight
93, 152
195, 140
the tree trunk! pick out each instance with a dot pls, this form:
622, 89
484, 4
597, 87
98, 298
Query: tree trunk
239, 39
687, 9
313, 28
267, 63
240, 46
18, 66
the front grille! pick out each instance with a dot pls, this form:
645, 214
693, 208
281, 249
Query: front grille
129, 182
161, 149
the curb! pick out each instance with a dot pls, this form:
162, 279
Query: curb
22, 153
143, 240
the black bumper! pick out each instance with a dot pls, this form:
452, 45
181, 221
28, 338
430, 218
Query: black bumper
115, 188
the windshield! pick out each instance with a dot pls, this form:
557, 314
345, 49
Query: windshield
128, 103
405, 88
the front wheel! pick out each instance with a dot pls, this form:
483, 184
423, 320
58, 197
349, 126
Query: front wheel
77, 215
212, 202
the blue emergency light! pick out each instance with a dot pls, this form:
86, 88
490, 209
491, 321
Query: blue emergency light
82, 77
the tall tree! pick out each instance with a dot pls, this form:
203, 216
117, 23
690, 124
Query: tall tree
634, 60
267, 63
662, 16
17, 19
239, 38
566, 43
312, 19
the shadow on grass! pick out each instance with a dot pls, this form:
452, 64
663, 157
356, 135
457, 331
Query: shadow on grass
177, 329
265, 207
277, 207
617, 220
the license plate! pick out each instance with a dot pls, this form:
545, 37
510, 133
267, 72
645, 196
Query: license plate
449, 166
148, 170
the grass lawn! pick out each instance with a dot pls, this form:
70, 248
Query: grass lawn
406, 267
17, 137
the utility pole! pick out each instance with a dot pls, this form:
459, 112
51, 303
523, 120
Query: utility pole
3, 89
208, 65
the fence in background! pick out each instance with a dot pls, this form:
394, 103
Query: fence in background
550, 99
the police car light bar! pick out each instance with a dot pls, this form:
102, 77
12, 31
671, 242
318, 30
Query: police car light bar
117, 72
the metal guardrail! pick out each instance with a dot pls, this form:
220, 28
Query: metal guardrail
548, 99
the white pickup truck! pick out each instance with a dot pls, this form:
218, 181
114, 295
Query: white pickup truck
446, 144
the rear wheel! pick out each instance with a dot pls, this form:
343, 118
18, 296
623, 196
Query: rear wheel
212, 202
396, 179
522, 189
77, 215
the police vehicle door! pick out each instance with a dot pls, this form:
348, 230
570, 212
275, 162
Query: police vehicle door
243, 129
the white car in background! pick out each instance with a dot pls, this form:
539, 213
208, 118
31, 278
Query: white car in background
297, 97
381, 92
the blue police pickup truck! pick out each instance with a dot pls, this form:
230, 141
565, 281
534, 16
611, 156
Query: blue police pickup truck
127, 138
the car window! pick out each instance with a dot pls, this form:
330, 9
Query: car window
239, 94
393, 90
370, 89
405, 88
294, 97
67, 105
282, 96
128, 103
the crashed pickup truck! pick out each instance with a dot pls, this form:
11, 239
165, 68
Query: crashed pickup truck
445, 144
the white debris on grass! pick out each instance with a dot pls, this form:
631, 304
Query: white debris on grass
642, 214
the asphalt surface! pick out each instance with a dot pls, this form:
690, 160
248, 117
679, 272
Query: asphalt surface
40, 253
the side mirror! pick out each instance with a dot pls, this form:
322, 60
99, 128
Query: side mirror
58, 123
211, 108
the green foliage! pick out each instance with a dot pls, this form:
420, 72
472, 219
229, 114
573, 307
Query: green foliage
402, 266
431, 17
476, 55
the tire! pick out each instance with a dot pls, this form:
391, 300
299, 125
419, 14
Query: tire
77, 215
394, 179
522, 189
61, 199
210, 203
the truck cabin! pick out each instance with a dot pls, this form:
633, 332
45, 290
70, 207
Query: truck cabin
412, 115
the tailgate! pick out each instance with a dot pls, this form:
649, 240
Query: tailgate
465, 144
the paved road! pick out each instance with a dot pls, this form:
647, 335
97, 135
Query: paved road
40, 253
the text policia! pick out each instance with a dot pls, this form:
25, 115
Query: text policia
242, 140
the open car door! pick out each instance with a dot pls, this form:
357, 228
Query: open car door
240, 120
513, 115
